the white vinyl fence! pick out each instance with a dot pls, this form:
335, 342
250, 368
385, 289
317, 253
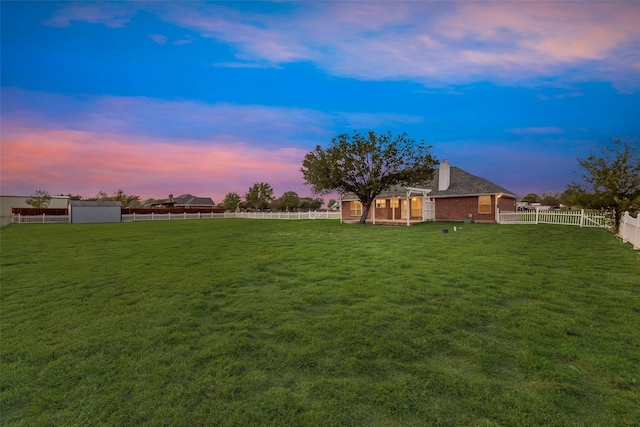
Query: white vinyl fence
252, 215
38, 219
580, 218
630, 230
287, 215
169, 216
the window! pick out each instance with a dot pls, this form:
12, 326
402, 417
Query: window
395, 203
416, 207
355, 208
484, 204
381, 203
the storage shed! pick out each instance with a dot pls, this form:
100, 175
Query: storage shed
84, 211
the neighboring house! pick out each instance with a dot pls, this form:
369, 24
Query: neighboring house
189, 201
184, 201
453, 195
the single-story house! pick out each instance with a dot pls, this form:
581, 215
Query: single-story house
453, 195
185, 201
189, 201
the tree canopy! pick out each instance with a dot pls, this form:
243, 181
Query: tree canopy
610, 180
531, 198
289, 201
259, 195
231, 201
127, 200
366, 164
41, 199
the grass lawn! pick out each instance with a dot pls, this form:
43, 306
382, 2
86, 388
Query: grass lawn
294, 323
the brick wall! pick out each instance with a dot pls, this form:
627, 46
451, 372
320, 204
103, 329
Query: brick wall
459, 208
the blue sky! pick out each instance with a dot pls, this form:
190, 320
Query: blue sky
208, 98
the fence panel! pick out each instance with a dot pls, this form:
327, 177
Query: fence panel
580, 218
211, 215
38, 219
286, 215
630, 230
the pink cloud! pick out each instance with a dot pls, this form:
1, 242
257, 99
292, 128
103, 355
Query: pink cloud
158, 38
434, 43
81, 162
109, 14
455, 42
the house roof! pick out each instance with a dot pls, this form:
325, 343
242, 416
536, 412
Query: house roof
190, 200
464, 184
461, 184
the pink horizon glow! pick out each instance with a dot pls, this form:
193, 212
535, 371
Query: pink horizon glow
83, 162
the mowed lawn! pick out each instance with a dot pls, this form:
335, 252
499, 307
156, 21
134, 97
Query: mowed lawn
294, 323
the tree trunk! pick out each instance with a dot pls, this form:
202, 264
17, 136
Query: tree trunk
365, 212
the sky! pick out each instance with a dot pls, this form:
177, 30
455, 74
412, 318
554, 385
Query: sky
207, 98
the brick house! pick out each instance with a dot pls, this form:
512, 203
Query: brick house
453, 195
185, 201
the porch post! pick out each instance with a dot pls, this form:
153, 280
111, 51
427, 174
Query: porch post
374, 212
393, 209
408, 210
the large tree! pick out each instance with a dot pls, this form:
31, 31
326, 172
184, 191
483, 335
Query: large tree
231, 201
610, 180
531, 198
39, 200
289, 201
366, 164
259, 195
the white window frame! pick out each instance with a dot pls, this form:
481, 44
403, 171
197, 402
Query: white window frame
481, 205
355, 208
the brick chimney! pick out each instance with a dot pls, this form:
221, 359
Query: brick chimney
444, 176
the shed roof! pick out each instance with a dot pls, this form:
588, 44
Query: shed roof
95, 203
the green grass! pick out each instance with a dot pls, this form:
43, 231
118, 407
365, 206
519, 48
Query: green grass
257, 322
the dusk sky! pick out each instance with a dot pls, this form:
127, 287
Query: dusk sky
208, 98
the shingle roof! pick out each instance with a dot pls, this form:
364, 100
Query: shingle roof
465, 184
190, 200
461, 184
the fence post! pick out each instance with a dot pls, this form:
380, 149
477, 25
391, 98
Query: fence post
185, 215
636, 242
537, 213
152, 216
43, 218
581, 217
